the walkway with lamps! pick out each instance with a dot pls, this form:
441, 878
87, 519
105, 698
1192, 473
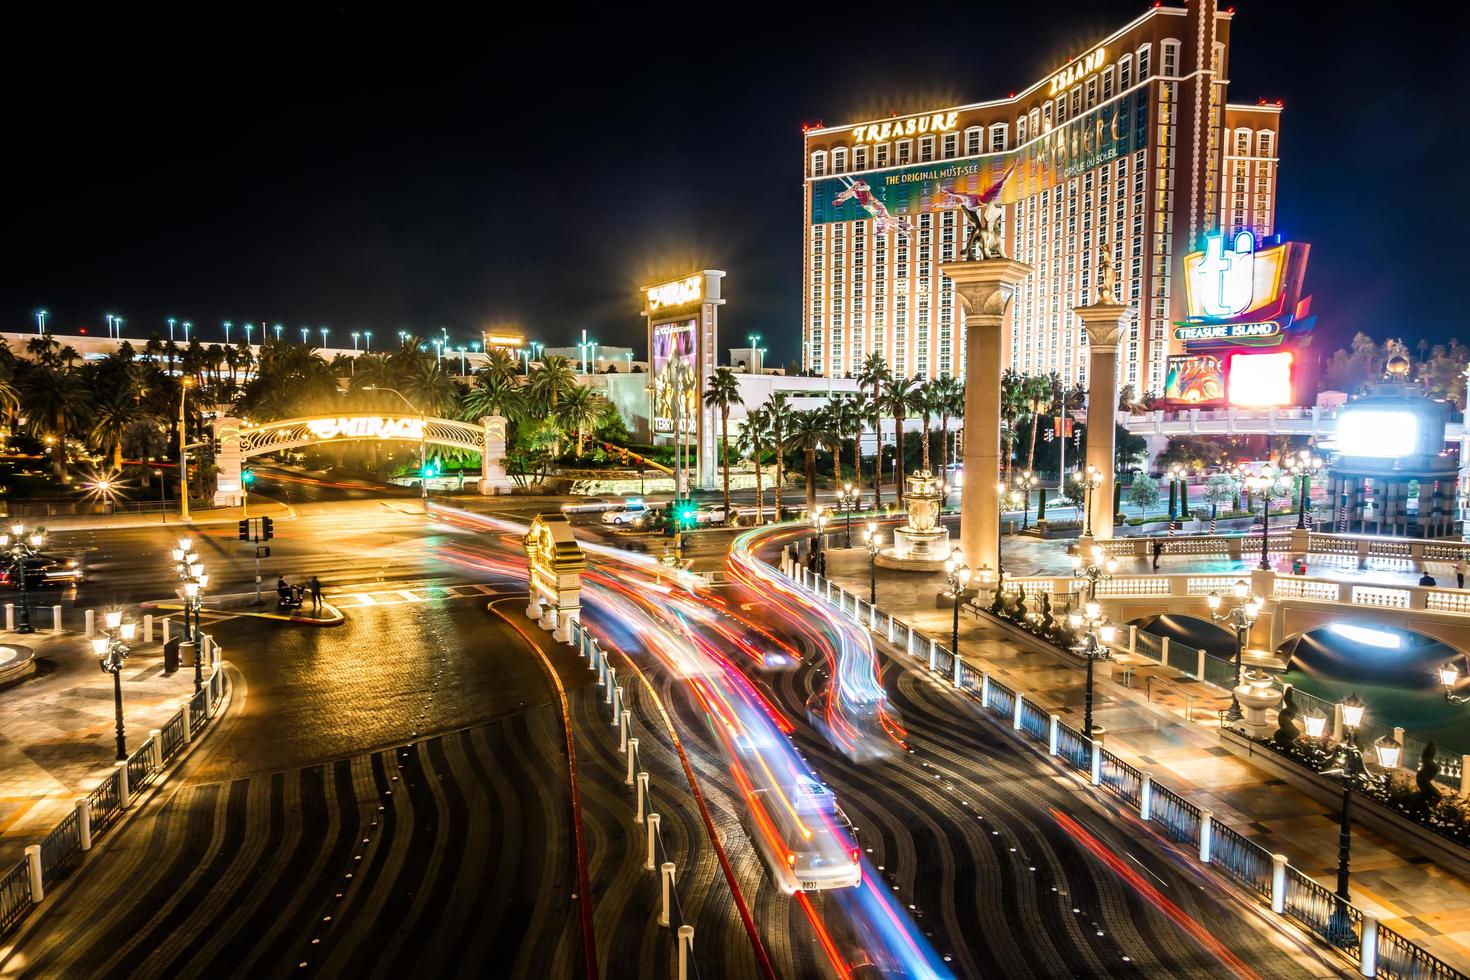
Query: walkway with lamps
57, 728
1150, 731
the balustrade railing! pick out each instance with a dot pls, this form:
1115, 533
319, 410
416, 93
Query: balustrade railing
58, 846
1072, 747
15, 895
1323, 913
1246, 861
1034, 721
1178, 816
1400, 959
1120, 777
1002, 699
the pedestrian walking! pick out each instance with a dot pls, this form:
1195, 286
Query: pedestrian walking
1460, 568
1158, 550
316, 593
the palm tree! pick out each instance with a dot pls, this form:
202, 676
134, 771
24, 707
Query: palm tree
1012, 407
113, 411
857, 405
836, 417
1041, 397
493, 394
779, 413
550, 380
578, 409
500, 363
898, 396
808, 433
55, 401
752, 444
875, 373
949, 400
926, 404
722, 390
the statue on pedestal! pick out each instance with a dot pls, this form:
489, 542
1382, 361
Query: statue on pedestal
1107, 277
983, 213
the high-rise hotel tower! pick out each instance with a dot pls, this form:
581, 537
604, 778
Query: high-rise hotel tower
1130, 145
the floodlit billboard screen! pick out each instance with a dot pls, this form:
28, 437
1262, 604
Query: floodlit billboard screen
1376, 432
1260, 380
1195, 379
675, 375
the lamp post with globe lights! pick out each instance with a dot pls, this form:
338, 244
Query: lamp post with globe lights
874, 541
819, 528
957, 574
1096, 644
1025, 485
1090, 480
195, 580
18, 547
1239, 619
847, 499
1092, 568
1177, 507
1267, 483
1302, 465
1351, 767
1449, 677
112, 651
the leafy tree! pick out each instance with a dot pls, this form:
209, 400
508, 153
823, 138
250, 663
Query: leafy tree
1221, 490
722, 391
1144, 492
579, 410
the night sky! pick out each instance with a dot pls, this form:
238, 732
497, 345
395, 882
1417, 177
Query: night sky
384, 168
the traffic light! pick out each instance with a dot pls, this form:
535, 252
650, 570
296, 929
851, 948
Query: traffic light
685, 513
247, 477
245, 530
267, 527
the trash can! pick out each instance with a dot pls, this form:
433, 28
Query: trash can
171, 655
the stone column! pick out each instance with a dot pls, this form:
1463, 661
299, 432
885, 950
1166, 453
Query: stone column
1103, 322
493, 479
985, 289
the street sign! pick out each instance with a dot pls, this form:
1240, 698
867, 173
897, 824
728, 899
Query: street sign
262, 551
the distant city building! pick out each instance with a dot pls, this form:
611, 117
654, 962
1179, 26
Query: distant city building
1129, 146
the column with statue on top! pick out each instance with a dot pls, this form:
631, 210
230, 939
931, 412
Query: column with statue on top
1103, 321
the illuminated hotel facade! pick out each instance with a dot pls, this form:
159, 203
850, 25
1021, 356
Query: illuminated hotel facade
1131, 146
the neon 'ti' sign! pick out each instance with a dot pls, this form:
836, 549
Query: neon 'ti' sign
1224, 282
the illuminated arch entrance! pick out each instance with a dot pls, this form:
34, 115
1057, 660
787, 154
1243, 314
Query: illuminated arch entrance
237, 441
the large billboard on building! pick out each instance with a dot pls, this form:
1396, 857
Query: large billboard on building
1195, 379
675, 369
1088, 141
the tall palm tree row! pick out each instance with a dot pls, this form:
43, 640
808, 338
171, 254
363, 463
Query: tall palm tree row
755, 438
808, 433
779, 414
875, 375
722, 391
898, 394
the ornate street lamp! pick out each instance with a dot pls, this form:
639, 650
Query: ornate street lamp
18, 547
1096, 644
1239, 619
1303, 465
819, 527
1099, 568
957, 573
1264, 483
1177, 473
195, 580
1025, 484
874, 542
112, 651
1091, 479
1449, 676
847, 497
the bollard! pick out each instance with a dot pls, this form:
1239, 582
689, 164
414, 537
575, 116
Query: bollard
147, 627
10, 617
1016, 715
1054, 736
642, 795
632, 761
84, 823
1132, 640
1164, 651
626, 718
959, 671
56, 619
1368, 946
33, 865
668, 877
167, 629
653, 819
157, 753
1146, 798
188, 729
985, 690
1205, 819
1278, 883
123, 795
1199, 664
91, 623
686, 950
1095, 778
617, 705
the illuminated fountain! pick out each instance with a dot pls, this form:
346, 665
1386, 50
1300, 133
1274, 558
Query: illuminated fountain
922, 544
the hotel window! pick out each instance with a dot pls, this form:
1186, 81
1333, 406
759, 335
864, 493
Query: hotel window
860, 158
1076, 106
1125, 72
1242, 142
819, 163
1107, 88
1143, 54
951, 145
998, 137
1035, 123
972, 141
880, 155
926, 149
1046, 117
1061, 108
1091, 92
1264, 143
1020, 130
905, 151
839, 160
1170, 49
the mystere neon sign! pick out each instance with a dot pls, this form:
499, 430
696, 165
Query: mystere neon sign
367, 428
681, 293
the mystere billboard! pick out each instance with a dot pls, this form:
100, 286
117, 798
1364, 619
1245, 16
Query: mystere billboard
675, 375
1090, 140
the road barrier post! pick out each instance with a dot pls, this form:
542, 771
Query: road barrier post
653, 821
1205, 828
1146, 797
56, 619
188, 729
933, 654
123, 796
157, 737
1055, 734
1368, 946
959, 671
1278, 883
167, 629
33, 866
668, 882
84, 823
985, 689
617, 705
147, 627
1095, 777
686, 950
10, 618
632, 760
642, 795
91, 623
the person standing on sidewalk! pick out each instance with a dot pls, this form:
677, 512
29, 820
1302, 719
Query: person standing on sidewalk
1460, 568
316, 593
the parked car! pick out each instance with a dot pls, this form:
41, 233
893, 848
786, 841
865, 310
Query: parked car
708, 514
45, 570
625, 515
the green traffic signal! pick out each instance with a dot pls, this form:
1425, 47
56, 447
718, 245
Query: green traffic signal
247, 477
